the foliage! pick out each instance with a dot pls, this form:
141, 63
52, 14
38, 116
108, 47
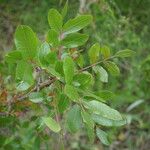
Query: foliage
49, 74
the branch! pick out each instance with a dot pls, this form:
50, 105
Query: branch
41, 86
92, 65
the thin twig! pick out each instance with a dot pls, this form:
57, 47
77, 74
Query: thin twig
41, 86
92, 65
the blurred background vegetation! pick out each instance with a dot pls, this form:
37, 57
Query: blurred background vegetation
118, 24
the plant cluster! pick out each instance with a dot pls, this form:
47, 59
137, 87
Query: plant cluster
54, 75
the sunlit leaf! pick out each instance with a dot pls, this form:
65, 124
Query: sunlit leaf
52, 124
76, 24
55, 19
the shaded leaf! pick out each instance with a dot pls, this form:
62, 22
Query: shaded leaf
13, 57
68, 67
43, 52
74, 119
52, 37
36, 97
63, 103
71, 92
102, 136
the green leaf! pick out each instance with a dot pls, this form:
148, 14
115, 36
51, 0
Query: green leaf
71, 92
102, 136
107, 95
74, 40
76, 24
26, 41
13, 57
102, 109
23, 86
87, 119
52, 124
89, 124
112, 68
63, 103
124, 53
87, 93
55, 73
24, 72
55, 20
43, 52
94, 53
52, 38
65, 9
105, 51
51, 58
107, 122
84, 79
102, 73
59, 67
36, 97
74, 119
68, 67
80, 61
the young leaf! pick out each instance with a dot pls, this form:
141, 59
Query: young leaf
112, 68
74, 40
52, 124
52, 37
74, 119
68, 67
94, 53
76, 24
26, 41
65, 9
36, 97
102, 136
102, 73
125, 53
105, 52
71, 92
55, 20
102, 109
24, 72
